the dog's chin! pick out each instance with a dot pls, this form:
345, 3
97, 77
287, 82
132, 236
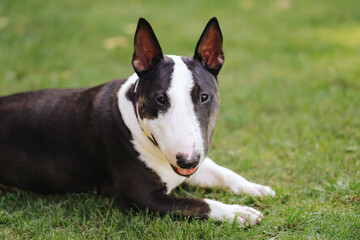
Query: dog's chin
184, 172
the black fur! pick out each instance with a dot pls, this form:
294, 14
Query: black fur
153, 85
57, 141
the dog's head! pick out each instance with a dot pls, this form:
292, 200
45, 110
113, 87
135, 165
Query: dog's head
177, 98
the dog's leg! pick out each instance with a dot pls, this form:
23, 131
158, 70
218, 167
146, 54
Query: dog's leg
204, 208
210, 175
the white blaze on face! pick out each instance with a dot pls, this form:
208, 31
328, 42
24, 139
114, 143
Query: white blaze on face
177, 130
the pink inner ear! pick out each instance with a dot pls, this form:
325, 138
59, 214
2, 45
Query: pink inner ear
210, 49
144, 56
146, 50
211, 60
138, 64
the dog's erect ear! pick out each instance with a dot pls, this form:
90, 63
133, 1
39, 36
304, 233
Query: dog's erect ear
209, 47
147, 50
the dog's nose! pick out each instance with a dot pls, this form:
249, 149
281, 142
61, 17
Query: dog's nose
186, 162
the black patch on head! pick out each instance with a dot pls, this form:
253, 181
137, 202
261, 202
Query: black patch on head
153, 85
207, 111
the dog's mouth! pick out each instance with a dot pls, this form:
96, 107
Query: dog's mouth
184, 172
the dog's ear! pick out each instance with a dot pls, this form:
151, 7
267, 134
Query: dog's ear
209, 47
147, 50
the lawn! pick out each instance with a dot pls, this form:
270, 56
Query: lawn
290, 114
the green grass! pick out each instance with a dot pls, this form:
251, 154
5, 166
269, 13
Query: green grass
290, 114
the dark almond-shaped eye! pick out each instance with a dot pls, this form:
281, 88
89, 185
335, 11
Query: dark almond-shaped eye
204, 97
161, 100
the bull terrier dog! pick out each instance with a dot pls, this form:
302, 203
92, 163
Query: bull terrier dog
136, 138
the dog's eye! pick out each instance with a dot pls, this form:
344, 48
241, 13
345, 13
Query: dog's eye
161, 100
204, 97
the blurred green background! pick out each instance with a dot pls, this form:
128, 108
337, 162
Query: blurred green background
290, 114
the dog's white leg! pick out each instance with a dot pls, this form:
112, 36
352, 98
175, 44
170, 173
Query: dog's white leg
210, 174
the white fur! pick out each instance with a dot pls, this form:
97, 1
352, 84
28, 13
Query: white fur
240, 214
177, 130
210, 174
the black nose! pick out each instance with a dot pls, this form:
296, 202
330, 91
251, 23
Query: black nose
186, 162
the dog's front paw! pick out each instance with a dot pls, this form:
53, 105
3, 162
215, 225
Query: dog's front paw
252, 189
258, 190
244, 216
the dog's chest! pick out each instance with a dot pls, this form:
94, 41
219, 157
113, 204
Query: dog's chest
162, 168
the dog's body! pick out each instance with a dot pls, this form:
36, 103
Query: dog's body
136, 138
